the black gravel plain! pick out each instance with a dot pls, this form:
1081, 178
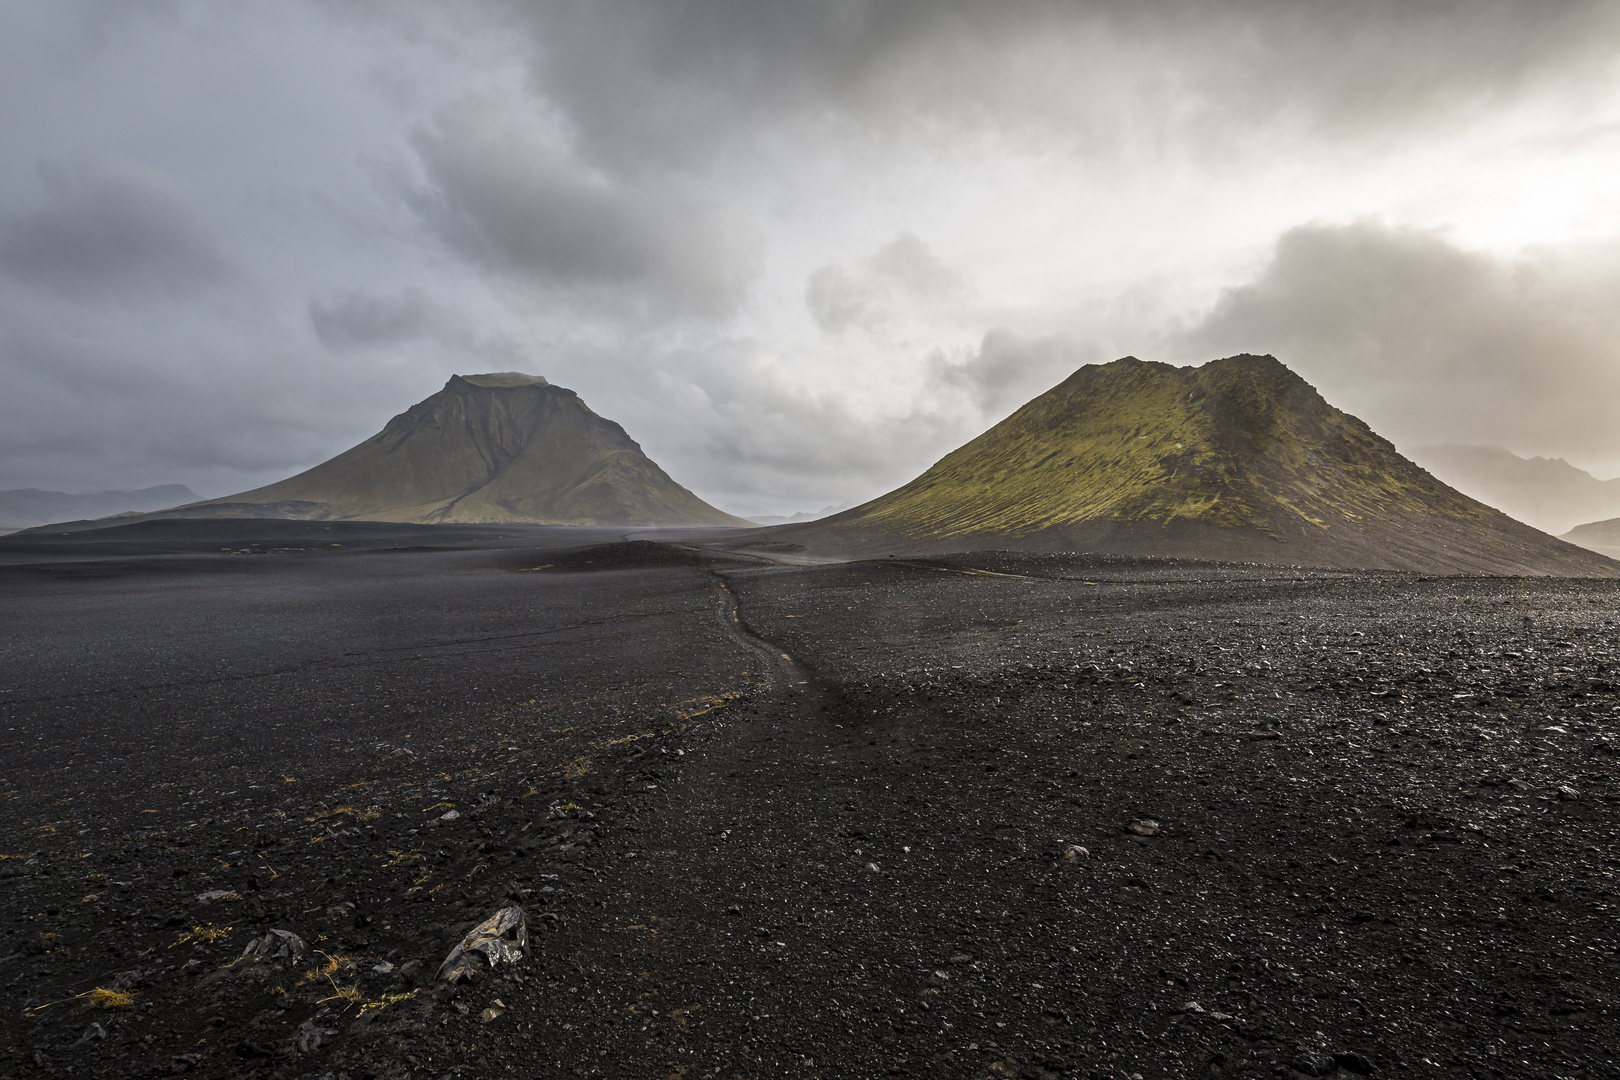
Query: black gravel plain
987, 815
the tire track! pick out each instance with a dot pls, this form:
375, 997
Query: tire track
785, 674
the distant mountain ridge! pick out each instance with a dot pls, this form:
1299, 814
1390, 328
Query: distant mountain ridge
1602, 537
1548, 493
486, 449
28, 507
1239, 459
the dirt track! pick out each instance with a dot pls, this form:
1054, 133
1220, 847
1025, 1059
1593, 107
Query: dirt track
859, 820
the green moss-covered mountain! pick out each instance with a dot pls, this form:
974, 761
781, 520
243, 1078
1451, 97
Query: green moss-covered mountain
1237, 459
486, 449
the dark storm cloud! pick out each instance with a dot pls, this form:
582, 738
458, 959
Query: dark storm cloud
516, 206
647, 82
107, 230
1432, 343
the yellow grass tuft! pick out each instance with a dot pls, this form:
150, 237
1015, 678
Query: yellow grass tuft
111, 999
387, 1000
207, 933
350, 995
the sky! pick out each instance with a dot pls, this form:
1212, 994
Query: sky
800, 250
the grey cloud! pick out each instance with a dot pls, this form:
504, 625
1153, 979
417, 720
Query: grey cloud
904, 272
356, 319
219, 408
751, 435
1008, 368
837, 299
530, 211
647, 82
909, 263
108, 230
1432, 343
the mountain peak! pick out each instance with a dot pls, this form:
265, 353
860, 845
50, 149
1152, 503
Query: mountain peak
1237, 459
500, 380
472, 457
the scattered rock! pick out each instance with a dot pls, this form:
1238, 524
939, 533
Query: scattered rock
1074, 853
1143, 827
283, 945
1568, 794
1353, 1062
309, 1037
501, 938
1314, 1063
93, 1033
449, 816
124, 981
496, 1010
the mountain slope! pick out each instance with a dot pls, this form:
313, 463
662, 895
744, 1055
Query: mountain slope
485, 449
1548, 493
1238, 459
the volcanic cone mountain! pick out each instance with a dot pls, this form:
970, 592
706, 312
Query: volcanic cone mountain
1239, 459
485, 449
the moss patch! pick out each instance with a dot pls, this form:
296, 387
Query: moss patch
1239, 442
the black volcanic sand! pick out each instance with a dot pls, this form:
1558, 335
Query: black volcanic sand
786, 821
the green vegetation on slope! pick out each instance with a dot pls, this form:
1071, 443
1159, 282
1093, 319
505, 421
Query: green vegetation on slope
486, 449
1239, 442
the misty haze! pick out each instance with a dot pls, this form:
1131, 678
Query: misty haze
912, 538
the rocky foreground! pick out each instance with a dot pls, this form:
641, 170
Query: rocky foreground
989, 816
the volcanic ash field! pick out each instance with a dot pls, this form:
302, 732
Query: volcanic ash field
989, 816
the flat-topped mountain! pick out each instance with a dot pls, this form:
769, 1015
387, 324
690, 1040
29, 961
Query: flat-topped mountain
1239, 459
495, 448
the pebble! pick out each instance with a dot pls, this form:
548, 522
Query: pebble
1143, 827
1315, 1063
1568, 794
1074, 853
